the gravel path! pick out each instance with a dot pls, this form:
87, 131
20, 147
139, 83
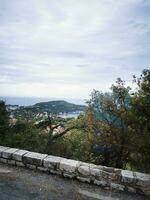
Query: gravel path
22, 184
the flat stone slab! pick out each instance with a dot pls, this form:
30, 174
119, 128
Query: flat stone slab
127, 176
96, 171
142, 179
8, 153
68, 165
34, 158
19, 154
2, 149
52, 162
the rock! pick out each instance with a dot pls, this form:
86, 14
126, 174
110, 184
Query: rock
43, 169
31, 166
52, 162
68, 175
96, 171
117, 186
11, 162
34, 158
143, 182
131, 189
2, 149
84, 169
68, 165
3, 160
20, 164
142, 179
8, 153
18, 155
101, 183
83, 179
52, 171
127, 176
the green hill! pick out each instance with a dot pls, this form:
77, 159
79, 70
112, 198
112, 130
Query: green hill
58, 107
51, 107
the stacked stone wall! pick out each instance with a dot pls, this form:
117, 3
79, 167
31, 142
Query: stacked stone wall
107, 177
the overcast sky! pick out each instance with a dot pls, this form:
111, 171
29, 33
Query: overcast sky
65, 48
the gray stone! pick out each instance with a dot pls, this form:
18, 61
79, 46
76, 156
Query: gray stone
11, 162
96, 172
3, 160
19, 164
84, 169
34, 158
131, 189
43, 169
18, 155
52, 162
83, 179
8, 153
109, 176
142, 179
31, 166
101, 183
117, 186
56, 172
127, 176
2, 149
68, 175
68, 165
108, 169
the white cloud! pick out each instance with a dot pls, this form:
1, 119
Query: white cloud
71, 46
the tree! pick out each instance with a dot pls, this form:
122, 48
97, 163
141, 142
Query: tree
141, 123
60, 126
24, 135
110, 124
4, 122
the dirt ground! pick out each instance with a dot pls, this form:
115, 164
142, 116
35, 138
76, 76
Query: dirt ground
23, 184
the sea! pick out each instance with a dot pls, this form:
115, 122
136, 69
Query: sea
28, 101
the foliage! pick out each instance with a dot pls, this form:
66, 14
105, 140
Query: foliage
113, 130
4, 121
110, 125
141, 123
40, 109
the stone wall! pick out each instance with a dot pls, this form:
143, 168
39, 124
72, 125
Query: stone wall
106, 177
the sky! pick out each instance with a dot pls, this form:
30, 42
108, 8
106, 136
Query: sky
67, 48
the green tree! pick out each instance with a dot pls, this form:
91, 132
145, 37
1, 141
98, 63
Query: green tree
25, 135
141, 122
4, 122
110, 124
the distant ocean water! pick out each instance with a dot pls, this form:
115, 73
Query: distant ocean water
27, 101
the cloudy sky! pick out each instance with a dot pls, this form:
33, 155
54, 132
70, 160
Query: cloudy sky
65, 48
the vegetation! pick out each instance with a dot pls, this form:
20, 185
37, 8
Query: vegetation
4, 122
51, 107
113, 130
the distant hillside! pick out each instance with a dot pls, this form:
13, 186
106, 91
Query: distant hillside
58, 106
53, 107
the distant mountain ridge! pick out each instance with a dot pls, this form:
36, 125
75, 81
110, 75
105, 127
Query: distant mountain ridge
30, 101
58, 106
